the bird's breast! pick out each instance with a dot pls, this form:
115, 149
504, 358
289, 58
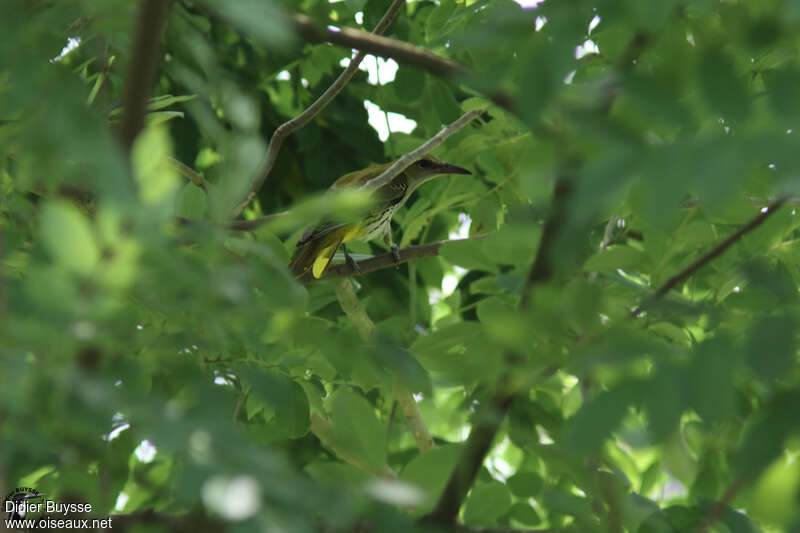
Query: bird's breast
377, 223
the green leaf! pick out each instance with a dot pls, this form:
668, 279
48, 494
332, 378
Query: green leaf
162, 116
513, 244
357, 430
430, 471
616, 257
166, 100
772, 346
458, 351
724, 90
524, 514
486, 503
468, 254
356, 5
780, 86
525, 484
279, 395
712, 392
447, 109
436, 21
263, 20
191, 202
157, 178
409, 84
67, 237
587, 430
561, 502
254, 405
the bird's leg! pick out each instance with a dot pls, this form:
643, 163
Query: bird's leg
393, 248
350, 261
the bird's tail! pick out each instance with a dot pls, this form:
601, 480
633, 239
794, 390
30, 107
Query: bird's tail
316, 254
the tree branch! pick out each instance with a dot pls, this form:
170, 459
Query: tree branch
387, 260
189, 173
398, 166
366, 329
709, 256
145, 57
378, 45
403, 52
287, 128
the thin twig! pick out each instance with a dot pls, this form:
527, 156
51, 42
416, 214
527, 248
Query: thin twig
189, 173
403, 162
387, 260
709, 256
366, 329
145, 57
287, 128
383, 46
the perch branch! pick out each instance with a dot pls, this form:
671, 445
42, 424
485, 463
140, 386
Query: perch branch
712, 254
387, 260
144, 65
398, 166
287, 128
366, 329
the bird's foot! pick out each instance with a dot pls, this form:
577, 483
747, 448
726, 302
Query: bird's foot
350, 261
395, 251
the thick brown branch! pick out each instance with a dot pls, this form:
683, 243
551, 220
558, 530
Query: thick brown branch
287, 128
145, 58
378, 45
712, 254
401, 51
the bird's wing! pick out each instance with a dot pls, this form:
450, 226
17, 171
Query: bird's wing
320, 230
316, 254
324, 256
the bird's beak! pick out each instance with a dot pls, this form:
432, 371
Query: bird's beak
447, 168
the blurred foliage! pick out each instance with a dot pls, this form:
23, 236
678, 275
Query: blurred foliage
146, 364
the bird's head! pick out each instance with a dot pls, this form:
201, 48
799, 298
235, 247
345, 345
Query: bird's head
428, 167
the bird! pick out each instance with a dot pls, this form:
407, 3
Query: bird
319, 243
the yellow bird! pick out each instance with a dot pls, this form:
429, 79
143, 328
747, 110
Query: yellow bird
318, 244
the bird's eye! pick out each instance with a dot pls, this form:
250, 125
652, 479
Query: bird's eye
424, 163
